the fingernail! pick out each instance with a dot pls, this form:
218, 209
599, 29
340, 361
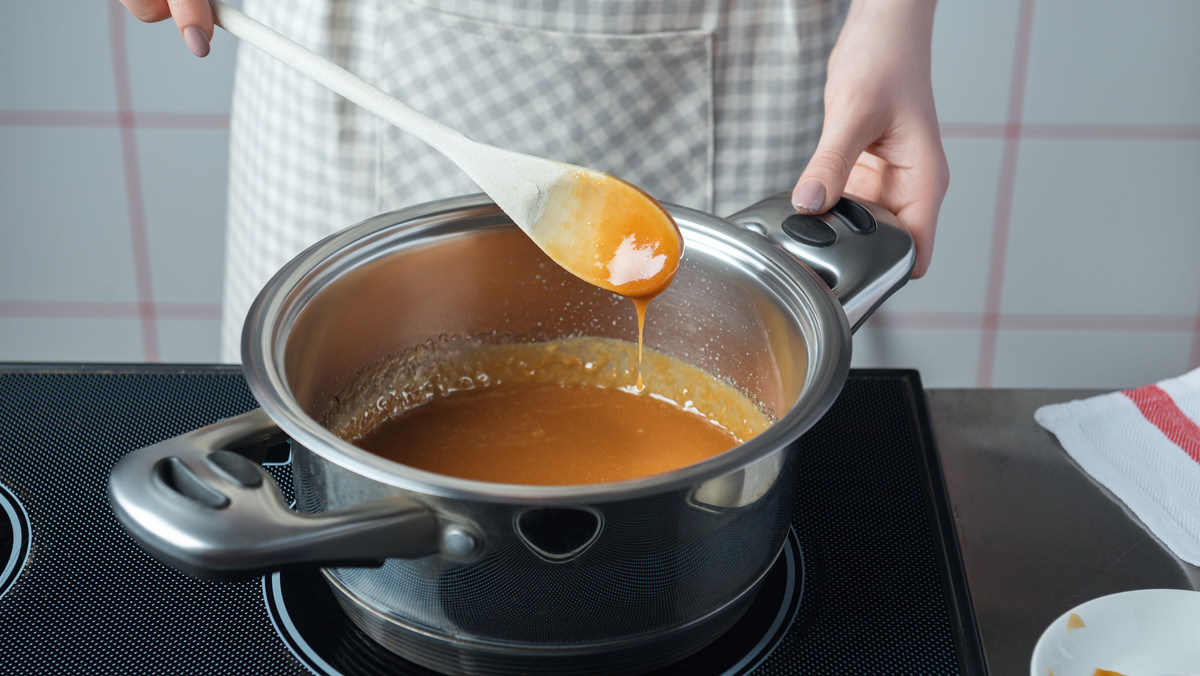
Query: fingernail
196, 40
808, 196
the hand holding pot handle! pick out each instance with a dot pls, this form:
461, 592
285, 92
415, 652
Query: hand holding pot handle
214, 514
857, 248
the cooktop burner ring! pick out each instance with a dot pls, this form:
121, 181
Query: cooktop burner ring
14, 538
309, 621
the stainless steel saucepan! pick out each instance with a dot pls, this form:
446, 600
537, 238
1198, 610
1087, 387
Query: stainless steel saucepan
471, 577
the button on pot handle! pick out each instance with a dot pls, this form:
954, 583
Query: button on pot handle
196, 505
858, 248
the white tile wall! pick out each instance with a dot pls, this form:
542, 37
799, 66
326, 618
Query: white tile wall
1114, 62
1066, 252
1093, 358
954, 283
185, 215
65, 216
103, 336
1073, 133
113, 153
1102, 227
973, 47
164, 77
49, 63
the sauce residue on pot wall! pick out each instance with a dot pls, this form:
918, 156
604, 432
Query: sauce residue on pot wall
558, 412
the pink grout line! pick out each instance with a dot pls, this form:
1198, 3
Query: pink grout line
1071, 131
181, 120
962, 130
1004, 198
1033, 321
884, 319
1194, 362
967, 130
991, 320
893, 319
133, 184
1094, 322
1111, 132
197, 311
67, 310
105, 310
58, 118
108, 120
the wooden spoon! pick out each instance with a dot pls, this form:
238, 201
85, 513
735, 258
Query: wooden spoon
600, 228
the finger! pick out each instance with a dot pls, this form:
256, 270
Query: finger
922, 225
195, 21
931, 182
149, 11
824, 179
866, 178
916, 199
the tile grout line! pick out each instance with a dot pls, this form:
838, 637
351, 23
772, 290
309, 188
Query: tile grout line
884, 319
992, 319
106, 310
1066, 131
139, 239
1091, 322
1194, 362
1055, 131
1006, 189
106, 120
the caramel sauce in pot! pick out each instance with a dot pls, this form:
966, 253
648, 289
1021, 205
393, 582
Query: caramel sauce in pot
549, 434
559, 412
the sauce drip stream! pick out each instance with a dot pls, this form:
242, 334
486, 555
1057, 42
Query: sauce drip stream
634, 246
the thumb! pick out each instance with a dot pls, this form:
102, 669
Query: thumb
828, 170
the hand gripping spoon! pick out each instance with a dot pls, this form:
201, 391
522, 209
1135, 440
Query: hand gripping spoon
598, 227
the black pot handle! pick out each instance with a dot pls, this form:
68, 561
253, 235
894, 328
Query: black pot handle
199, 506
858, 247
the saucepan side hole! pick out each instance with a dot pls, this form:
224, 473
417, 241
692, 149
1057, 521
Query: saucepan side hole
559, 533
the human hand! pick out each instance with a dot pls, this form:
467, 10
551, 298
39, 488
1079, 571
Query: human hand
193, 17
881, 139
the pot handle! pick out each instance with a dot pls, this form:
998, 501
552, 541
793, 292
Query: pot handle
199, 505
858, 247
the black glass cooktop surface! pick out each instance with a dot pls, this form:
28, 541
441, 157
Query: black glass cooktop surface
869, 582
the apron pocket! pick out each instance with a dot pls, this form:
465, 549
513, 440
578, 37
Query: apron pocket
637, 106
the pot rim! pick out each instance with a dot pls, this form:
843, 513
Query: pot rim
276, 308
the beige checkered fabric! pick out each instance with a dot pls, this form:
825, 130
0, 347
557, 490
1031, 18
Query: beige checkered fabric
711, 104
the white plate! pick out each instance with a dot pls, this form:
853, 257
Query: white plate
1147, 632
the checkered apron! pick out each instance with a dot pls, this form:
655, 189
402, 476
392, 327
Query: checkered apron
710, 104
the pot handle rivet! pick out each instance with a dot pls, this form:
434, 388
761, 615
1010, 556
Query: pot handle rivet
459, 542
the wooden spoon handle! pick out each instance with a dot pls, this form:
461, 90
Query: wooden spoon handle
339, 80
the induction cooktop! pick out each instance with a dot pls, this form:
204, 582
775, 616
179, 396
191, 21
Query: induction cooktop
869, 581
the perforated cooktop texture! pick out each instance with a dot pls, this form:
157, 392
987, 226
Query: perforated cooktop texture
883, 590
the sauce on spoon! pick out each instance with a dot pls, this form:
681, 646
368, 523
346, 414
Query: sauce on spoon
613, 235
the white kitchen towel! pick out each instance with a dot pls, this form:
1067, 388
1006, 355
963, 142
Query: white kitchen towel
1144, 446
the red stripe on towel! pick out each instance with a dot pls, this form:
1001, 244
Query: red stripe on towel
1160, 410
